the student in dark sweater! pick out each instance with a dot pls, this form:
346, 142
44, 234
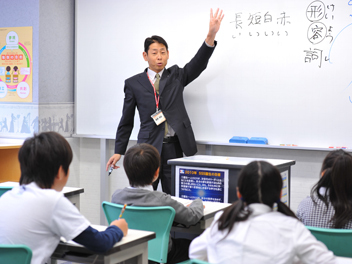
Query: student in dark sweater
142, 163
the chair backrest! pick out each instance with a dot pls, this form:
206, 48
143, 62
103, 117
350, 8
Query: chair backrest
339, 241
15, 254
156, 219
4, 189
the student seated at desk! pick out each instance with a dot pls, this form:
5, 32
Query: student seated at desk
330, 202
250, 231
36, 214
142, 163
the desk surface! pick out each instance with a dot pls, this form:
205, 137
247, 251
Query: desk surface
133, 237
67, 191
343, 260
131, 242
210, 208
9, 143
224, 162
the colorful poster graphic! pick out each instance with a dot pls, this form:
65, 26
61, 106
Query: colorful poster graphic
16, 44
204, 183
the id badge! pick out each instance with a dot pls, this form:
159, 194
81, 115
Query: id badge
158, 117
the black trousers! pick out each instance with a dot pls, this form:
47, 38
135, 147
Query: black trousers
171, 150
178, 252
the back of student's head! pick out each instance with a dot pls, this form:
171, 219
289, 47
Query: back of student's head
325, 173
258, 182
341, 191
141, 162
41, 156
330, 159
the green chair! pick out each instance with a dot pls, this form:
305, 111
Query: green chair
4, 189
15, 254
194, 261
156, 219
339, 241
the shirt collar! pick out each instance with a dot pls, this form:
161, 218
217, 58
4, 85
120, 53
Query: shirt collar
259, 209
147, 187
153, 73
322, 190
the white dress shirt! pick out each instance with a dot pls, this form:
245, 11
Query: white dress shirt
265, 237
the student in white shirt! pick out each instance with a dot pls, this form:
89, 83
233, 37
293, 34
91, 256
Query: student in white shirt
250, 231
37, 214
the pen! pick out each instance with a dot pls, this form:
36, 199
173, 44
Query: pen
123, 210
110, 170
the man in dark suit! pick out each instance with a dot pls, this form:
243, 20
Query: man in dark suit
158, 94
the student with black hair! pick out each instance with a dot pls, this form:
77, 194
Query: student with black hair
142, 165
37, 214
157, 92
251, 231
330, 202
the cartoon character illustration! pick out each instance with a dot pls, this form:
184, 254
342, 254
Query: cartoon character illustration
12, 123
25, 124
4, 127
61, 125
15, 74
8, 74
36, 124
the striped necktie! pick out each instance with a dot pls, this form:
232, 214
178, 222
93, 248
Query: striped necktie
156, 85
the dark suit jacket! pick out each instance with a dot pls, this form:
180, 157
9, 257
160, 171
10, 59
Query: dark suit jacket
139, 93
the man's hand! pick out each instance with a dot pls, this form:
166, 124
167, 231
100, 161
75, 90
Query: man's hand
112, 161
214, 26
122, 224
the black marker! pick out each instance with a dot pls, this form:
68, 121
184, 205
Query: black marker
110, 170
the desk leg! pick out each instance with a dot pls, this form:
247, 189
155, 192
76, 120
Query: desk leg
208, 149
104, 185
140, 251
75, 200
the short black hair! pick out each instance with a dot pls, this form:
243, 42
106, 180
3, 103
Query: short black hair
141, 162
41, 156
153, 39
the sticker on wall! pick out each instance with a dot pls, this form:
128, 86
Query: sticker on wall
16, 75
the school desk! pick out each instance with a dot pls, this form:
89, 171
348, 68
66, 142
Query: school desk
9, 165
210, 209
217, 176
71, 193
343, 260
135, 244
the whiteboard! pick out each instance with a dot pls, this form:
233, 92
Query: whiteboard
281, 69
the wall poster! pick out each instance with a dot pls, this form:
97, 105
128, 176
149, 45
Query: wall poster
16, 45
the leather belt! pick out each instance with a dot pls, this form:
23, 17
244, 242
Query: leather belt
170, 139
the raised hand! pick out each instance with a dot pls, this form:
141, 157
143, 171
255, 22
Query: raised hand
214, 25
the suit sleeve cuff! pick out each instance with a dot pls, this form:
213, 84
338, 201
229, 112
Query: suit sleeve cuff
209, 45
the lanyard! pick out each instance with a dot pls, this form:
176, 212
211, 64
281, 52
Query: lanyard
157, 98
